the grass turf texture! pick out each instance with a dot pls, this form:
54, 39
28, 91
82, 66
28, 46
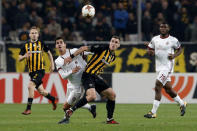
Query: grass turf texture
130, 117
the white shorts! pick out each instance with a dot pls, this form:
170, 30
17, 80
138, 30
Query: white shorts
163, 77
74, 94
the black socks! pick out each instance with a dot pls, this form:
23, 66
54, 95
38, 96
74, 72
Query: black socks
110, 108
50, 97
80, 103
29, 103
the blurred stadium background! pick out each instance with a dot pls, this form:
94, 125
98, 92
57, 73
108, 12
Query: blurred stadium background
135, 21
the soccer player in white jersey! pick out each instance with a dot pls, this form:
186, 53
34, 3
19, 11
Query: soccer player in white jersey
165, 48
72, 71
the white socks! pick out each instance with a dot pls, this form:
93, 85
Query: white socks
156, 103
87, 106
179, 100
155, 106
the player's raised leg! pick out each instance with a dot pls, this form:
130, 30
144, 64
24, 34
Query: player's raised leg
168, 88
90, 96
73, 97
46, 94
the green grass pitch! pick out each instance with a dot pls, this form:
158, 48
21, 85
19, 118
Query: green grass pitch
130, 117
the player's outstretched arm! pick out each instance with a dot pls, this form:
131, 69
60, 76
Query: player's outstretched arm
51, 60
80, 50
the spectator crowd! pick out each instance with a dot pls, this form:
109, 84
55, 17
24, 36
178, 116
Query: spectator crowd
113, 17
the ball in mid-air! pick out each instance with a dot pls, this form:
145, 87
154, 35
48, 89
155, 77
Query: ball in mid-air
88, 11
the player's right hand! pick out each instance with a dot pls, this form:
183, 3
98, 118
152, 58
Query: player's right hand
67, 60
76, 69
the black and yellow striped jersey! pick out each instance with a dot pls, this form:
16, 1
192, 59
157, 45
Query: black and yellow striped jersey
35, 61
102, 57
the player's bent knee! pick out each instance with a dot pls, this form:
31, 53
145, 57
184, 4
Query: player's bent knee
112, 95
91, 97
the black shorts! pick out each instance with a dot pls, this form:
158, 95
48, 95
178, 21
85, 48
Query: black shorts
94, 81
37, 76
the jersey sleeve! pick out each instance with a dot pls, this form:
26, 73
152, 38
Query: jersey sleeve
176, 44
151, 44
22, 51
59, 62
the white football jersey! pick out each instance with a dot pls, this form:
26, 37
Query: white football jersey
163, 47
65, 70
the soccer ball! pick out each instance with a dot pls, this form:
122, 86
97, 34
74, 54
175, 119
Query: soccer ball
88, 11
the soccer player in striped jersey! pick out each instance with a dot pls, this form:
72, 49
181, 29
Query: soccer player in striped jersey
32, 51
92, 81
165, 48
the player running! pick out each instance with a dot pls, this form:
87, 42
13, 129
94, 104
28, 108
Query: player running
32, 51
165, 48
72, 71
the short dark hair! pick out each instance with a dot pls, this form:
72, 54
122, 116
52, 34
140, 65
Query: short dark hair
164, 23
36, 28
58, 38
115, 36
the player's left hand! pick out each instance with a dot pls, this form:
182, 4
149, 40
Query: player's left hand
171, 56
